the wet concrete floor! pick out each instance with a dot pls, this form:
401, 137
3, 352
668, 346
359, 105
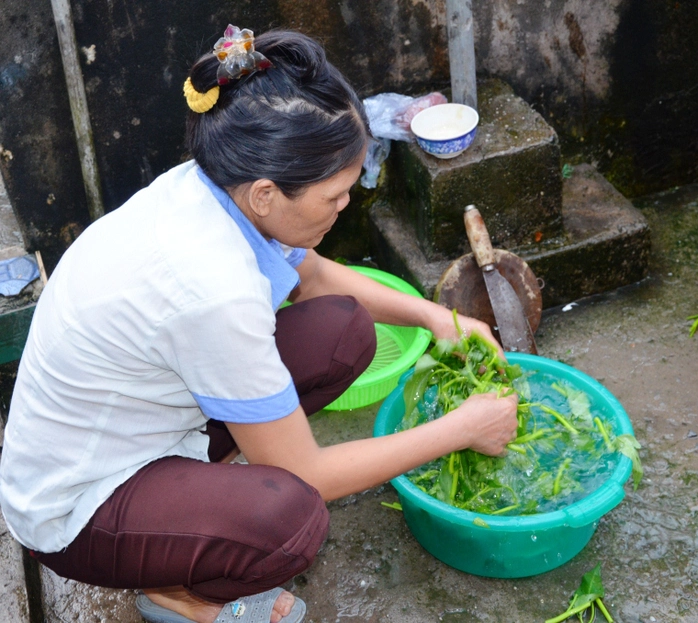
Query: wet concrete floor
636, 342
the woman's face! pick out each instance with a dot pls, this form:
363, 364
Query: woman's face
303, 221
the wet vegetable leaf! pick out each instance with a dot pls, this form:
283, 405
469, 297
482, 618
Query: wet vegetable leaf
413, 394
425, 362
591, 586
694, 326
628, 445
588, 596
442, 347
577, 400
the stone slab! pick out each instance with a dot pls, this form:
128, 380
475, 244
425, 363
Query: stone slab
14, 604
511, 172
604, 245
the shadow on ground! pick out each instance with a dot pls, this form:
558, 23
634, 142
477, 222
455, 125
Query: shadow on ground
636, 342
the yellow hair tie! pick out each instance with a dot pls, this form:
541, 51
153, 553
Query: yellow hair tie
200, 102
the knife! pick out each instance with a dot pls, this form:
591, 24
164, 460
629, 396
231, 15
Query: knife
512, 324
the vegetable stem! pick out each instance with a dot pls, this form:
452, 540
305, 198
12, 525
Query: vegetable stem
515, 447
455, 321
454, 485
601, 606
532, 436
506, 509
604, 433
560, 418
394, 505
568, 613
556, 485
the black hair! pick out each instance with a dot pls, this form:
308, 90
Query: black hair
297, 123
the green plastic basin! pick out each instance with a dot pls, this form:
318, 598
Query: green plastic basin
397, 349
515, 546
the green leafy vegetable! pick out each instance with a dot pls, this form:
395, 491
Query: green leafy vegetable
694, 326
558, 449
577, 400
394, 505
587, 597
628, 445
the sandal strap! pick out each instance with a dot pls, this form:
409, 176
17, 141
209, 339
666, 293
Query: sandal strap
250, 609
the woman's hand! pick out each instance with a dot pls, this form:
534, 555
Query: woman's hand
489, 422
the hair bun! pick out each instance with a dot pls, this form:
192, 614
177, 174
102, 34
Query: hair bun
297, 53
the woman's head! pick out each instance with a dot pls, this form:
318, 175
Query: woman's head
297, 123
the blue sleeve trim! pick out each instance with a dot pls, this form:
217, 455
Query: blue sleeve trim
296, 256
253, 411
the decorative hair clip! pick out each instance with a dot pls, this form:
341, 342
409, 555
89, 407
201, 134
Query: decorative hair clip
236, 53
237, 56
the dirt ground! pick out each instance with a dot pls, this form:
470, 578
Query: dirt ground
636, 342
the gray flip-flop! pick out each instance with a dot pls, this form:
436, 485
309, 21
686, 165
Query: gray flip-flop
252, 609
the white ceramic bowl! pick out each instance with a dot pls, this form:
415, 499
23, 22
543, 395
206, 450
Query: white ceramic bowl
445, 130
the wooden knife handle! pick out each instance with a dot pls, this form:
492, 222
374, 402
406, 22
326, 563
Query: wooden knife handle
478, 237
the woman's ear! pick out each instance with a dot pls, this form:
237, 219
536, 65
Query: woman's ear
261, 196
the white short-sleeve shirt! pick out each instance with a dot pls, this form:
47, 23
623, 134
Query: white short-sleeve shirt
159, 316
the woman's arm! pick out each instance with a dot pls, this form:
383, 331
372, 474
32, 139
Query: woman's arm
320, 276
483, 422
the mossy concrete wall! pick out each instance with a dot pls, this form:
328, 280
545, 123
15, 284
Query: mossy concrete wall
616, 79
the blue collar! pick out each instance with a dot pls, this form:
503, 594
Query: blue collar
270, 255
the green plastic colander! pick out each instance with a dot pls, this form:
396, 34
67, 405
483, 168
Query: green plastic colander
511, 546
397, 349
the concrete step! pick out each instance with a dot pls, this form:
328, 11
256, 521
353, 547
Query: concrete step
15, 311
511, 172
604, 243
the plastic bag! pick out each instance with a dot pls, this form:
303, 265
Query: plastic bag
16, 273
389, 117
382, 111
376, 154
389, 114
405, 116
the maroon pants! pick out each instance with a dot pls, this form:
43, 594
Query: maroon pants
227, 530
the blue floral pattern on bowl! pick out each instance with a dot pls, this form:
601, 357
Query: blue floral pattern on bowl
448, 148
445, 130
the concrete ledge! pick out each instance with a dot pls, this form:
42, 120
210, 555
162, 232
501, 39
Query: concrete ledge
67, 601
605, 244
